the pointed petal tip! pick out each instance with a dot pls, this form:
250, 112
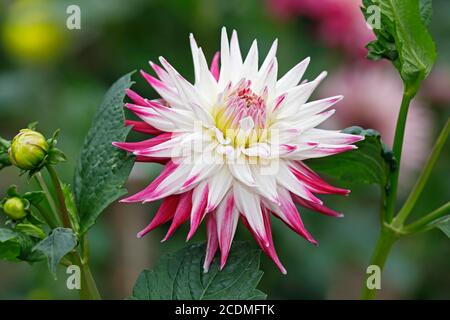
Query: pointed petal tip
223, 32
222, 264
189, 236
280, 267
162, 60
360, 138
321, 76
336, 99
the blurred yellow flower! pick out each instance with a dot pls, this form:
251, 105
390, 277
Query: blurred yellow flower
32, 32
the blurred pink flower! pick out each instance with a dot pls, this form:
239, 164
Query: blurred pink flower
372, 100
340, 23
436, 87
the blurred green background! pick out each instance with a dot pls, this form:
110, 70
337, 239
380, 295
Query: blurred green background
58, 76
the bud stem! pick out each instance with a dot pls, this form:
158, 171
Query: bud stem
59, 193
49, 198
427, 222
420, 184
48, 218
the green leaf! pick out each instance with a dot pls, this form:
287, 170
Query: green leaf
102, 169
9, 246
56, 156
444, 225
9, 250
180, 276
4, 144
69, 198
12, 191
426, 11
4, 158
16, 246
369, 164
33, 125
403, 37
7, 234
59, 243
30, 230
34, 197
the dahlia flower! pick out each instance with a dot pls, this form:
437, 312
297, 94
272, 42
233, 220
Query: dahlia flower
233, 145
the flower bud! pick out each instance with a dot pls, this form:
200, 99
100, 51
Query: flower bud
28, 149
15, 208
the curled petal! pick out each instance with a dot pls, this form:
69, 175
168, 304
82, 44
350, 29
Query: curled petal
181, 214
165, 212
142, 127
143, 145
227, 217
199, 203
313, 181
268, 247
316, 207
215, 66
212, 241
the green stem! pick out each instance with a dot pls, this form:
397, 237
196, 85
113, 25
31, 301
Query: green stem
383, 205
65, 262
84, 249
387, 235
89, 289
422, 223
391, 198
420, 184
49, 198
379, 257
60, 194
49, 218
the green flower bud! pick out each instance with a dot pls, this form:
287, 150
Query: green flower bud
28, 149
31, 230
15, 208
